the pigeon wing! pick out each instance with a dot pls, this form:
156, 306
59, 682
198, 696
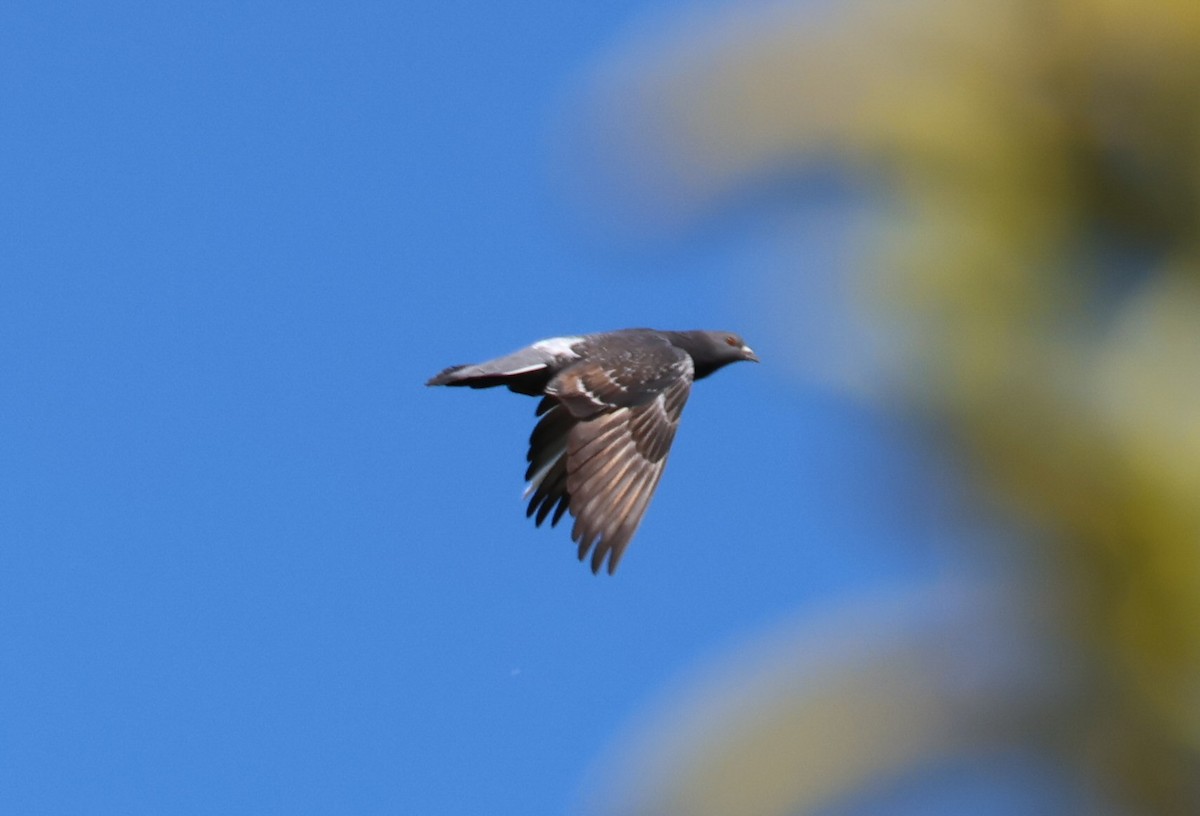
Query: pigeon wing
625, 410
547, 472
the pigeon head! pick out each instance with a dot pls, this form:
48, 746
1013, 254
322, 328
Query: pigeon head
711, 350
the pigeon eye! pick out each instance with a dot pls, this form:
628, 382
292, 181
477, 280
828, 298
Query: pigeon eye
731, 341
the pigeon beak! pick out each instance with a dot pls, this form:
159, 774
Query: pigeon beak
748, 354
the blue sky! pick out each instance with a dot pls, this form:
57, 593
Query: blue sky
248, 563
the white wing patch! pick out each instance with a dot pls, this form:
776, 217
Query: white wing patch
558, 346
524, 370
536, 480
660, 408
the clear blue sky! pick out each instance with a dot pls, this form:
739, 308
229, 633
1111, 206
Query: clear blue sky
248, 563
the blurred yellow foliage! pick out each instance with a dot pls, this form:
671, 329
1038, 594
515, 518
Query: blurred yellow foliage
1041, 162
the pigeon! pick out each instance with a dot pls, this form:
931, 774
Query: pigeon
610, 404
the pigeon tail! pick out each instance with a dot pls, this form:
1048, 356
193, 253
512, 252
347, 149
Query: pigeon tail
527, 380
525, 371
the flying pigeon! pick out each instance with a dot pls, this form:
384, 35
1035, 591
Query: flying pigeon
610, 404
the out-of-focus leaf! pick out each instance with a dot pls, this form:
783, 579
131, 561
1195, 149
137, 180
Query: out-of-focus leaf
1039, 169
